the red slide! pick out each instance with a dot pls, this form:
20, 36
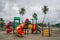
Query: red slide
34, 28
8, 27
20, 30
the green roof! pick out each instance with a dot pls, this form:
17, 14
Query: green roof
34, 18
16, 18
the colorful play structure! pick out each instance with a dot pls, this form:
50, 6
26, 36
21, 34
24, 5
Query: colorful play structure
21, 28
16, 22
25, 26
8, 27
34, 22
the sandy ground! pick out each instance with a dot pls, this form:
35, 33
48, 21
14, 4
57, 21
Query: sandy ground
4, 36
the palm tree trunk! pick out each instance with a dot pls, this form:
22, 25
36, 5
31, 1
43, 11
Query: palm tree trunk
43, 18
42, 23
22, 18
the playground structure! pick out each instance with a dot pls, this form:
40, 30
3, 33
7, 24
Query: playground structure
16, 22
8, 27
34, 22
25, 26
21, 28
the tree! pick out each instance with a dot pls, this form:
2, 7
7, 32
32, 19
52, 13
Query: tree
44, 9
22, 12
35, 15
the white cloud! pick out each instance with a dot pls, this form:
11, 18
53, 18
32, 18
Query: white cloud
10, 8
35, 8
15, 7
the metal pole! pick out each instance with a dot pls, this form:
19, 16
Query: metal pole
42, 24
32, 26
49, 28
36, 26
13, 26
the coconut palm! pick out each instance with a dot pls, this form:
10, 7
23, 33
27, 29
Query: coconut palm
22, 12
34, 15
44, 9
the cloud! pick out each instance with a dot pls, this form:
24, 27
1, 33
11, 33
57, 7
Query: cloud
10, 8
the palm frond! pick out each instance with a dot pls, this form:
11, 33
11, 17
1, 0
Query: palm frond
22, 11
45, 9
34, 15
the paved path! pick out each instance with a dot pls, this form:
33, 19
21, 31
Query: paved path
4, 36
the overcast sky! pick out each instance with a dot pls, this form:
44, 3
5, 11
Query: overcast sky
10, 8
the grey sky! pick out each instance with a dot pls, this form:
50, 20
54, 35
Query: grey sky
10, 8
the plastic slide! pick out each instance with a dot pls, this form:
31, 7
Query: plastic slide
19, 30
8, 27
38, 28
34, 27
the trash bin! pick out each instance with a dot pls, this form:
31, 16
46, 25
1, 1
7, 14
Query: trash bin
46, 32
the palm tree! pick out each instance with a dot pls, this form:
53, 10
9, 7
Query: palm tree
44, 9
22, 12
34, 15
